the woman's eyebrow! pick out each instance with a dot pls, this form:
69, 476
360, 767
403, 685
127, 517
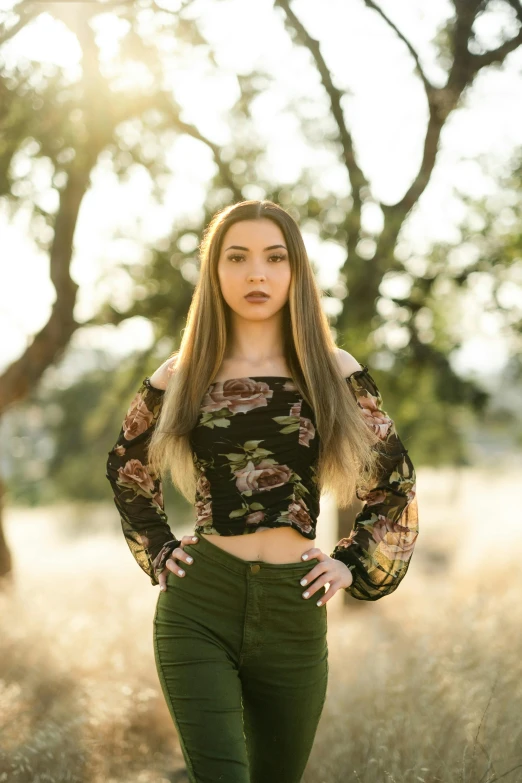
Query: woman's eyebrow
240, 247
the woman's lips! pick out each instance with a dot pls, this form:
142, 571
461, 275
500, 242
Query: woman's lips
253, 298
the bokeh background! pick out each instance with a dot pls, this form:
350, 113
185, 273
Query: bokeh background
392, 132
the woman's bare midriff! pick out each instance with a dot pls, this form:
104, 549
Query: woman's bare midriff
272, 545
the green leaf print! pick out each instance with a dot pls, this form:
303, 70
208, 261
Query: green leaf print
290, 428
220, 423
233, 457
286, 419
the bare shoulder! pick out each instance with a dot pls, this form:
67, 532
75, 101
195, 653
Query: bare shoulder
160, 377
347, 363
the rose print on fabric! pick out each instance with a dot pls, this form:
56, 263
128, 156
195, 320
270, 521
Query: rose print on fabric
237, 395
379, 422
347, 541
255, 518
395, 541
256, 472
298, 513
203, 486
137, 491
254, 478
389, 539
379, 548
306, 431
137, 479
203, 511
136, 476
401, 479
249, 452
371, 405
138, 419
262, 477
295, 410
203, 500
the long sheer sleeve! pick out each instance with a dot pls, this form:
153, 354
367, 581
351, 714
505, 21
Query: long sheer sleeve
379, 548
138, 493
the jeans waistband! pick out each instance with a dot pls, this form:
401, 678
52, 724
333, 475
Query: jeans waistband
258, 567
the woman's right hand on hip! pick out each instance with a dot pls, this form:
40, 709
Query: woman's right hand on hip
171, 565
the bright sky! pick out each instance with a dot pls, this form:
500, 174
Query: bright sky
385, 108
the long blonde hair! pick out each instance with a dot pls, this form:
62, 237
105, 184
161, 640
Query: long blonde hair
347, 457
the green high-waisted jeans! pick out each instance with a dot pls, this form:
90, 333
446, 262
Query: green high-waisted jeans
242, 659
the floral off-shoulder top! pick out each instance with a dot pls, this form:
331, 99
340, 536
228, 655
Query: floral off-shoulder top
256, 449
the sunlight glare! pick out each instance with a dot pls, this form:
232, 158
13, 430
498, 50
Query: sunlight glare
47, 40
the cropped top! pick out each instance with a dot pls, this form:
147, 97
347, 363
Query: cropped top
255, 447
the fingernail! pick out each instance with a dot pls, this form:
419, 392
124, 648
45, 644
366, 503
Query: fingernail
305, 557
181, 572
189, 559
319, 603
194, 538
162, 588
303, 581
305, 595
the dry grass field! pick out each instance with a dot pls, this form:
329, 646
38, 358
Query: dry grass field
425, 685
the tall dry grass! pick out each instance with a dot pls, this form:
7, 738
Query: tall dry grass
425, 685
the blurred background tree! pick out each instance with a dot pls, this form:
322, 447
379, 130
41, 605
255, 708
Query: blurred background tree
403, 312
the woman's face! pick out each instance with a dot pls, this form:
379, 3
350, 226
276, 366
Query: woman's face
254, 257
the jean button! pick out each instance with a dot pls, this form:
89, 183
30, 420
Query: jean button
254, 568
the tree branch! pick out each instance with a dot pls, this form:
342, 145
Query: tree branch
441, 102
429, 88
497, 55
355, 173
48, 344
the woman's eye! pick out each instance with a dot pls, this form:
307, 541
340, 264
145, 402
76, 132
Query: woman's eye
278, 257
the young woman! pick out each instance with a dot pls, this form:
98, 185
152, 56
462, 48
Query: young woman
256, 414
